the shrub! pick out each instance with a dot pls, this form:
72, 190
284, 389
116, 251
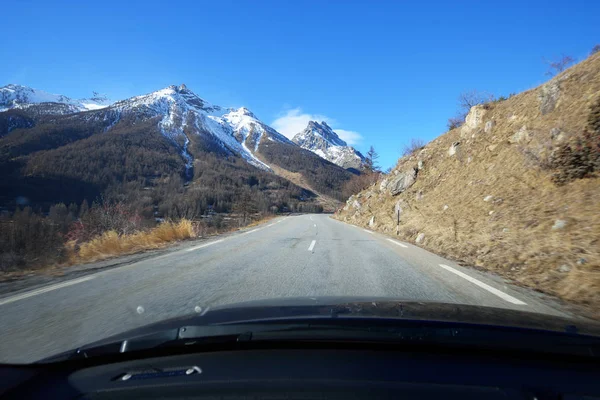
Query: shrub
580, 158
414, 146
455, 122
111, 243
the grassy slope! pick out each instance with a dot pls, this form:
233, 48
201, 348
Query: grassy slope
512, 233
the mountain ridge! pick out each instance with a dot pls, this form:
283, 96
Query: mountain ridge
323, 141
36, 141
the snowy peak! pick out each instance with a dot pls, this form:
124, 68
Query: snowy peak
324, 131
182, 113
323, 141
19, 96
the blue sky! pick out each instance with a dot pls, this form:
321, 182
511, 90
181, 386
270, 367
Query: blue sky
380, 72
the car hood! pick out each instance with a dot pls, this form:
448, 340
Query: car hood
362, 307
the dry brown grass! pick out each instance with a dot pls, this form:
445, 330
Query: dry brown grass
511, 234
112, 244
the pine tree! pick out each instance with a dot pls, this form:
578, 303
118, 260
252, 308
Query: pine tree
370, 164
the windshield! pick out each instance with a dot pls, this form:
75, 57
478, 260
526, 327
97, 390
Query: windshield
161, 161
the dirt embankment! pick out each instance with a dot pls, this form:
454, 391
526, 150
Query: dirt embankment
487, 193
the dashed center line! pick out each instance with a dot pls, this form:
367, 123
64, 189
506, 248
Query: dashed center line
204, 245
398, 243
45, 289
315, 225
482, 285
312, 245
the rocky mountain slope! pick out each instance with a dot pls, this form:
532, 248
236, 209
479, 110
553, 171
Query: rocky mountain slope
514, 190
169, 132
323, 141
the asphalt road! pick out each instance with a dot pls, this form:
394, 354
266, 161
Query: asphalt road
295, 256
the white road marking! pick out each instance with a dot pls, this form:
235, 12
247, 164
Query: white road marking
253, 230
312, 245
482, 285
45, 289
204, 245
398, 243
271, 224
315, 225
310, 217
368, 231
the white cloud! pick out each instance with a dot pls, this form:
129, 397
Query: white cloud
294, 121
350, 137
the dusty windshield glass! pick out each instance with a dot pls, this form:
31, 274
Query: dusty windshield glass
160, 161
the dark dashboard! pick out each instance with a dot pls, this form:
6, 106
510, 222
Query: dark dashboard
313, 370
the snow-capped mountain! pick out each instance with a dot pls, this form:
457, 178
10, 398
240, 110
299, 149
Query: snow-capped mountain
323, 141
18, 96
182, 113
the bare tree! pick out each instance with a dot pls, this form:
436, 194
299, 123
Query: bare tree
472, 98
595, 49
244, 206
558, 66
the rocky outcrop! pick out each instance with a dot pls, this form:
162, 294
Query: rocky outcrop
548, 96
473, 120
402, 181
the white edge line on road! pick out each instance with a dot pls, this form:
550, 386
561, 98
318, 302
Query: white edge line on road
46, 289
253, 230
482, 285
204, 245
398, 243
368, 231
271, 224
312, 245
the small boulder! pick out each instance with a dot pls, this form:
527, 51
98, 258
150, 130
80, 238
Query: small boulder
445, 207
420, 165
372, 221
559, 224
356, 204
488, 126
420, 238
521, 136
564, 268
453, 148
402, 181
419, 195
383, 184
488, 198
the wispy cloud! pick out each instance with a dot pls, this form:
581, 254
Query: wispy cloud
294, 120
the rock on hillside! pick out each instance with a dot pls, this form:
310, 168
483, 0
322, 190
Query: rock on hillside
509, 191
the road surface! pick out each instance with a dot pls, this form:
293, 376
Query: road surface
294, 256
